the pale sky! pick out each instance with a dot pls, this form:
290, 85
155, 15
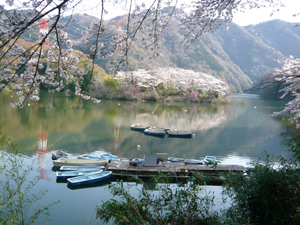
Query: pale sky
253, 16
256, 16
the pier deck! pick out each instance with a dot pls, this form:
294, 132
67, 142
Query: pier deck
180, 170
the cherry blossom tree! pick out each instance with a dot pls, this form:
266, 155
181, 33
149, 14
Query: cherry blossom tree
289, 77
24, 67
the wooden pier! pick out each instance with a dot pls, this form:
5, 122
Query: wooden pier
171, 169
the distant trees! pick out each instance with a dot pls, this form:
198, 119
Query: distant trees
24, 67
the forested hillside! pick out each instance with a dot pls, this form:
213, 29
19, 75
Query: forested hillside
238, 56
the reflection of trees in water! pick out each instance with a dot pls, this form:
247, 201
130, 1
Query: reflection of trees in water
81, 126
53, 113
194, 117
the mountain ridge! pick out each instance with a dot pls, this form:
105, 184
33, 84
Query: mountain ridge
239, 56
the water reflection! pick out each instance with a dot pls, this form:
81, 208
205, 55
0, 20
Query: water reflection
243, 128
42, 142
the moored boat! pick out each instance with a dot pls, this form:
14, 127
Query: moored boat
210, 159
156, 131
73, 168
173, 159
180, 133
69, 174
90, 178
139, 127
56, 154
110, 157
79, 162
86, 156
194, 161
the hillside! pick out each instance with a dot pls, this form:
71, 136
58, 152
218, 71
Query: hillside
238, 56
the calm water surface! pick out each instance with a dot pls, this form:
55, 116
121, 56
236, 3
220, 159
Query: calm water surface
236, 133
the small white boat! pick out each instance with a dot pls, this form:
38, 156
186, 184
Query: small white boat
56, 154
139, 127
86, 156
69, 174
79, 162
73, 168
90, 178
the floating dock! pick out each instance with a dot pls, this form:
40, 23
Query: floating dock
171, 169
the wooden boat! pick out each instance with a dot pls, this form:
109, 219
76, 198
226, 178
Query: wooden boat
139, 127
73, 168
56, 154
90, 178
194, 161
156, 131
79, 162
69, 174
180, 133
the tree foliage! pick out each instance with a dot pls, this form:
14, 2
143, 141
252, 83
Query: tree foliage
16, 191
21, 67
270, 195
182, 203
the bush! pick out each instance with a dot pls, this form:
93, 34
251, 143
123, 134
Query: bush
270, 195
187, 203
111, 83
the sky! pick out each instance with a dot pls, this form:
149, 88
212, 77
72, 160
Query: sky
256, 16
251, 17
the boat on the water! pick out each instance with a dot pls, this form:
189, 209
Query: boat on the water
86, 156
110, 157
139, 127
90, 178
156, 131
69, 174
173, 159
210, 160
56, 154
79, 162
180, 133
194, 161
73, 168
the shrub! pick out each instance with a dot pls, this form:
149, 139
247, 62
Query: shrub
111, 83
270, 195
187, 203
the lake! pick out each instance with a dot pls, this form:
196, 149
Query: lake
235, 133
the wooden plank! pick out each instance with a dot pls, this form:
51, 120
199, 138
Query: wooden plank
172, 169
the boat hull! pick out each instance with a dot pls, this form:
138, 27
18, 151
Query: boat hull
155, 131
90, 178
56, 154
79, 162
73, 168
68, 174
180, 134
139, 127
